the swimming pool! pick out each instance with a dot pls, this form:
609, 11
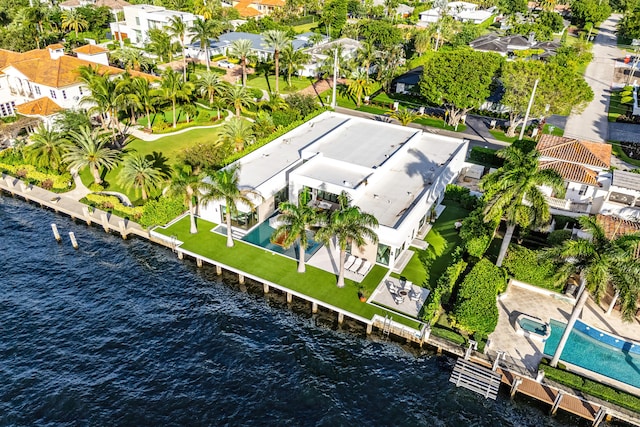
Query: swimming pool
598, 352
532, 327
261, 236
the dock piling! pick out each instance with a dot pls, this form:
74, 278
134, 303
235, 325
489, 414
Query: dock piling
218, 270
289, 298
369, 328
340, 318
241, 281
199, 262
87, 216
74, 242
123, 229
180, 255
54, 228
265, 287
514, 386
314, 307
105, 222
556, 403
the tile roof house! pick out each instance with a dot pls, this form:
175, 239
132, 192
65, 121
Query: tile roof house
113, 5
507, 45
257, 8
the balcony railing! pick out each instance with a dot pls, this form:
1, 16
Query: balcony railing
568, 205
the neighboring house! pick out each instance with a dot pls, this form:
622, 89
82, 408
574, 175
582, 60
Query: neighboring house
257, 8
507, 45
113, 5
623, 195
398, 174
408, 82
140, 18
320, 54
584, 166
42, 82
458, 10
402, 10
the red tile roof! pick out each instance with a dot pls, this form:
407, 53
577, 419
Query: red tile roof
39, 107
614, 226
571, 171
573, 150
90, 49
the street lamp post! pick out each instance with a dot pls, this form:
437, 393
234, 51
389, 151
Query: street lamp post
526, 116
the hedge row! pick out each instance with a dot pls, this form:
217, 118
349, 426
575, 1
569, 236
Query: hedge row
113, 205
528, 266
485, 156
476, 234
161, 211
49, 181
444, 287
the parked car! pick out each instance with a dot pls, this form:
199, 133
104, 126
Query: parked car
225, 64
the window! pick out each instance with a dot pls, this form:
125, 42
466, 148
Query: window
281, 196
53, 94
80, 90
64, 94
37, 89
325, 195
383, 254
583, 190
244, 220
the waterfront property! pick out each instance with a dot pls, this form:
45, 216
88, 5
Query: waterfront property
398, 174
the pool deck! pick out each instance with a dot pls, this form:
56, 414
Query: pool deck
523, 352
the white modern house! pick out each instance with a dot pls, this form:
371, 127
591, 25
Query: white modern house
398, 174
321, 53
140, 18
460, 11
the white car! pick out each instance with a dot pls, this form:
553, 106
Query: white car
225, 64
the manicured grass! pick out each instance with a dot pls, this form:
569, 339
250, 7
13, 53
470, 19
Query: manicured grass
619, 153
500, 136
439, 123
259, 81
272, 267
168, 117
552, 130
305, 28
616, 108
414, 271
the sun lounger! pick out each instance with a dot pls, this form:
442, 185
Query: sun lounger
414, 296
392, 287
349, 262
356, 265
364, 269
398, 299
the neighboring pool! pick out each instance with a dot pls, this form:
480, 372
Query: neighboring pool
261, 236
597, 351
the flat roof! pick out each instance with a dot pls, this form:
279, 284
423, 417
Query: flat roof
626, 179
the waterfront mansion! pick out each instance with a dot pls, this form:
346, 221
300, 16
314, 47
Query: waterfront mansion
398, 174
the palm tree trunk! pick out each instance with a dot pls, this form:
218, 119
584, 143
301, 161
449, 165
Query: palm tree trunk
343, 256
577, 309
244, 71
613, 301
144, 193
237, 112
301, 265
276, 55
173, 102
148, 118
505, 244
184, 64
229, 236
96, 174
206, 52
192, 218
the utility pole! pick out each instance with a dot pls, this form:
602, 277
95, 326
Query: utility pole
526, 116
335, 78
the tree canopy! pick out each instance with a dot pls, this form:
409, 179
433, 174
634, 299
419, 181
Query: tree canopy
593, 11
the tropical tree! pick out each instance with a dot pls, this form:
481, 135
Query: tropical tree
512, 192
241, 49
210, 84
132, 58
203, 31
359, 86
404, 115
296, 220
73, 20
89, 148
140, 173
293, 60
172, 88
225, 185
277, 40
103, 98
47, 147
238, 132
178, 29
366, 55
188, 184
161, 45
350, 226
601, 261
239, 97
145, 96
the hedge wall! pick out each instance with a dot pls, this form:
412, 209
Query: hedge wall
442, 292
527, 266
486, 156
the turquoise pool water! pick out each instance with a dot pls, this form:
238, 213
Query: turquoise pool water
533, 326
261, 236
597, 351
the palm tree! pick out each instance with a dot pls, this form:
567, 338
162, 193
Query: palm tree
203, 31
73, 20
237, 132
172, 88
145, 96
179, 30
89, 148
296, 220
277, 40
47, 147
349, 225
132, 58
139, 172
366, 55
242, 49
104, 98
404, 115
293, 60
273, 103
188, 184
238, 96
225, 185
512, 192
161, 45
599, 260
359, 86
210, 84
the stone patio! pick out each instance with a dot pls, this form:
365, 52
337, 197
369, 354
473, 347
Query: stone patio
383, 296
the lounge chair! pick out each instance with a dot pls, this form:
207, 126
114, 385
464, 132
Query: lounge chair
414, 296
398, 299
356, 265
364, 268
392, 287
349, 262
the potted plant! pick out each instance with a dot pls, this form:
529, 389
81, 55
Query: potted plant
363, 294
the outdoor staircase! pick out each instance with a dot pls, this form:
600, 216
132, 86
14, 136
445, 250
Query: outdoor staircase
476, 378
386, 327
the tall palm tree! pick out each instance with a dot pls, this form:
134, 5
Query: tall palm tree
89, 148
404, 115
104, 98
239, 97
139, 172
210, 84
47, 147
296, 220
225, 185
349, 225
161, 45
73, 20
188, 184
241, 49
173, 89
366, 55
359, 86
238, 132
293, 60
145, 96
513, 193
600, 261
204, 31
178, 29
132, 58
277, 40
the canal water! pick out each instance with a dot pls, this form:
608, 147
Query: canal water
122, 333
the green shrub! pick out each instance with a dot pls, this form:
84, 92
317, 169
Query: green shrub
562, 221
203, 116
161, 211
461, 195
475, 309
486, 156
527, 266
256, 93
558, 236
112, 204
52, 181
626, 100
476, 234
442, 292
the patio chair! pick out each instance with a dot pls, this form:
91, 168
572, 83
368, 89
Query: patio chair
398, 299
414, 296
349, 262
364, 268
392, 287
356, 265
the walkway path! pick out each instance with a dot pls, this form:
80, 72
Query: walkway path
136, 132
592, 123
80, 191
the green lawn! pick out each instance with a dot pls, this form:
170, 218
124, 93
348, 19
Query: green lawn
552, 130
272, 267
305, 28
619, 153
260, 82
439, 123
426, 266
167, 114
617, 108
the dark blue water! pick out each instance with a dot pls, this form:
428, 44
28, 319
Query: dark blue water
122, 333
